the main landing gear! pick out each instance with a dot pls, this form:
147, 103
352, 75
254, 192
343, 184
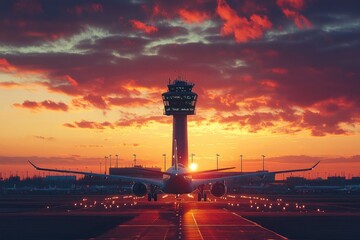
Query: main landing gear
152, 196
153, 193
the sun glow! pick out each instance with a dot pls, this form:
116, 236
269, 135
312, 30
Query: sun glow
193, 167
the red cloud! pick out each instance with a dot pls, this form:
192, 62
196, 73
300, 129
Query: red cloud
6, 66
71, 80
96, 101
143, 27
269, 83
296, 4
89, 124
192, 16
291, 9
47, 104
9, 84
132, 121
243, 29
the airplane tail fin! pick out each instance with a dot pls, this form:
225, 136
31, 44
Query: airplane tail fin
176, 159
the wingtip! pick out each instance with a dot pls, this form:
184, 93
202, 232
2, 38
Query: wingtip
32, 164
315, 165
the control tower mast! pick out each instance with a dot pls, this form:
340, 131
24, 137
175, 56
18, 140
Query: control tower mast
180, 101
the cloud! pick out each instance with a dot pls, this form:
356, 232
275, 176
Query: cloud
193, 16
5, 66
47, 104
96, 101
130, 120
242, 28
291, 9
44, 138
143, 27
89, 125
9, 84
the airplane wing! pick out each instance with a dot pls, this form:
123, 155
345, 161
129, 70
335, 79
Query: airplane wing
198, 182
206, 171
185, 173
155, 182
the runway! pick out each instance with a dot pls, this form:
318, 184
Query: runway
188, 221
231, 217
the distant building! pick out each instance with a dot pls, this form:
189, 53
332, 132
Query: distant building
60, 181
336, 180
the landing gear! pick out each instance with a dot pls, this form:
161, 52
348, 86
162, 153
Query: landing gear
152, 196
201, 194
153, 193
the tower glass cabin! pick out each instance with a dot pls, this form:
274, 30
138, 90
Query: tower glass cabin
180, 101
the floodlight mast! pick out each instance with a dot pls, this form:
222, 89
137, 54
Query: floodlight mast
179, 101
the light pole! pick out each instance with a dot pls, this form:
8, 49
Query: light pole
100, 167
241, 162
110, 161
192, 157
117, 161
134, 159
217, 161
263, 156
164, 155
105, 163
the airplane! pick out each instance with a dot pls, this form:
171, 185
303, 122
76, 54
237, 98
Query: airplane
177, 180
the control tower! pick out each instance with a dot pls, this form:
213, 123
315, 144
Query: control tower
180, 101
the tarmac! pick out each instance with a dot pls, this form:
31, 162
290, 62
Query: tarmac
127, 217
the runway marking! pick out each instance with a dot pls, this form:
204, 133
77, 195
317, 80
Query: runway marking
197, 226
189, 225
167, 231
283, 237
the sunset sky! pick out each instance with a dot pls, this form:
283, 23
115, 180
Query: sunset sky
83, 79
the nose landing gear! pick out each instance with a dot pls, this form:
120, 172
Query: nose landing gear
201, 194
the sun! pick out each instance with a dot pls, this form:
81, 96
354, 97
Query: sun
193, 167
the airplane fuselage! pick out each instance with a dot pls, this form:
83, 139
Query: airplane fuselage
177, 184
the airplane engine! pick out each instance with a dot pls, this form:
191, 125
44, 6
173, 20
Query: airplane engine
218, 189
139, 189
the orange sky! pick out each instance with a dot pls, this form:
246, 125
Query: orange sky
273, 78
